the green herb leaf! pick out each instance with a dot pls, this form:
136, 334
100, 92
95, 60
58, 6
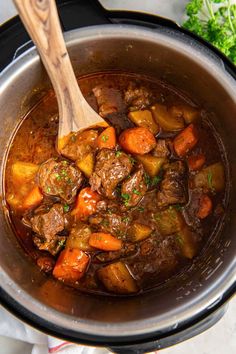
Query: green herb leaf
135, 191
141, 209
118, 153
178, 207
126, 198
209, 179
215, 21
125, 219
104, 138
66, 208
156, 180
48, 189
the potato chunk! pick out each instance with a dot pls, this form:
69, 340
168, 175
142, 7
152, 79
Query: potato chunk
189, 113
23, 172
86, 165
151, 164
144, 119
79, 237
139, 232
169, 221
117, 278
165, 119
211, 178
188, 244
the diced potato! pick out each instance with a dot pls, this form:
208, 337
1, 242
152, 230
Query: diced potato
151, 164
79, 237
211, 178
144, 119
23, 172
165, 119
86, 165
117, 278
187, 241
169, 221
14, 201
33, 199
189, 113
139, 232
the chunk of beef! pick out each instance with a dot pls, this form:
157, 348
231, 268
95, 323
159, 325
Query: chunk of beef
128, 249
134, 188
162, 148
137, 97
110, 169
109, 100
60, 179
46, 263
116, 224
80, 145
172, 188
46, 226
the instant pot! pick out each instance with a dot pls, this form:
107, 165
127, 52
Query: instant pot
189, 303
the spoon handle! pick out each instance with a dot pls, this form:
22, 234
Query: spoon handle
41, 20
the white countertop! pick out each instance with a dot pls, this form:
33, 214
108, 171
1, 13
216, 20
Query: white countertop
221, 338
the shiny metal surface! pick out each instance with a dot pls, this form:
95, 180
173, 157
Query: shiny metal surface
184, 63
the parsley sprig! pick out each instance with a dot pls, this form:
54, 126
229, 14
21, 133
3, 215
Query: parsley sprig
215, 21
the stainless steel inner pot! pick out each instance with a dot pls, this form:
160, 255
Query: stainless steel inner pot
185, 64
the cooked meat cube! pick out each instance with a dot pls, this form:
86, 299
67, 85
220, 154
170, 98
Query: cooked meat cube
172, 188
53, 246
46, 226
50, 223
134, 188
162, 148
59, 179
128, 249
116, 224
46, 263
110, 169
137, 97
109, 100
80, 145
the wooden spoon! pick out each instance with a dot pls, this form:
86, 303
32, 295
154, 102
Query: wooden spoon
41, 20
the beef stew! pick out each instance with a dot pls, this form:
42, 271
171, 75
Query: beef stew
124, 208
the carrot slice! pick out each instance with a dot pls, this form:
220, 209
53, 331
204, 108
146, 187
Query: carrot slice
33, 199
107, 139
196, 162
186, 140
137, 140
105, 242
85, 204
71, 264
205, 207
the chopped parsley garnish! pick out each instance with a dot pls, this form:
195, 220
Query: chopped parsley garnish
104, 138
48, 189
61, 243
209, 179
64, 162
135, 191
178, 207
118, 153
126, 198
63, 173
132, 160
58, 177
66, 208
104, 222
179, 239
125, 219
140, 208
155, 180
147, 180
